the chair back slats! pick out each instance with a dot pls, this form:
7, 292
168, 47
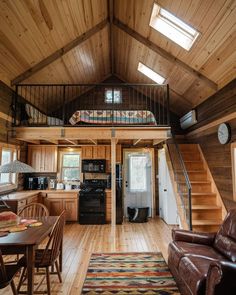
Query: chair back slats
3, 274
55, 240
34, 210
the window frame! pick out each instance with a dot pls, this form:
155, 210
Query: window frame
160, 14
113, 90
61, 167
7, 186
233, 161
134, 190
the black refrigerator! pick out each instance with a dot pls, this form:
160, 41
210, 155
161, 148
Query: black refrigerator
119, 199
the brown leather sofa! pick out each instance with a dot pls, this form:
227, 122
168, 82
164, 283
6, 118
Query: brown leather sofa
205, 263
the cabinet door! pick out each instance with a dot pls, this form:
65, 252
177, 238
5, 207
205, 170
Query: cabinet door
35, 157
118, 153
49, 155
87, 152
108, 159
55, 206
108, 207
99, 152
71, 207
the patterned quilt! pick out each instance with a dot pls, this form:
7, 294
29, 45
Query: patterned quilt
117, 117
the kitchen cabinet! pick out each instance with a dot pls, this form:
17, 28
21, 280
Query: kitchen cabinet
56, 203
42, 158
87, 152
33, 199
108, 206
102, 152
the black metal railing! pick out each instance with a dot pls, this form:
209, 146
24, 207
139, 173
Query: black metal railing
182, 180
72, 104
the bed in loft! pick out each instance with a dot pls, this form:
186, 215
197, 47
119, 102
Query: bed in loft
96, 117
52, 105
116, 117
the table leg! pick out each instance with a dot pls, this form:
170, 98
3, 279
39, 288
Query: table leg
30, 256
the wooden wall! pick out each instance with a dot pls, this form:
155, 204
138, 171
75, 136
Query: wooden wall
218, 156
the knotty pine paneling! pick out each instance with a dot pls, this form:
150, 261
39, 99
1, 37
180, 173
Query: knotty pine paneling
218, 158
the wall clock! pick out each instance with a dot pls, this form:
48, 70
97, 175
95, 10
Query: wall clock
224, 133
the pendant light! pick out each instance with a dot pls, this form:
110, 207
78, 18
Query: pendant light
16, 167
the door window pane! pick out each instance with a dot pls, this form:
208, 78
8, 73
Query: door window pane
138, 173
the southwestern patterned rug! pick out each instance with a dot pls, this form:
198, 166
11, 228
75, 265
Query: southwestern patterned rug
129, 273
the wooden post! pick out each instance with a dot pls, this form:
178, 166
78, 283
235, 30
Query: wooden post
113, 181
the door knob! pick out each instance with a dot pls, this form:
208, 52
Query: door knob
165, 190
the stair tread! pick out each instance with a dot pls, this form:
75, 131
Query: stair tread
201, 194
206, 222
205, 207
197, 181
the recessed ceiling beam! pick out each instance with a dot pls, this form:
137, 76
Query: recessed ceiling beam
51, 140
136, 141
59, 53
160, 51
74, 142
29, 140
94, 141
159, 140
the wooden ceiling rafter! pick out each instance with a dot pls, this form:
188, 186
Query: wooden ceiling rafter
136, 141
111, 33
59, 53
160, 51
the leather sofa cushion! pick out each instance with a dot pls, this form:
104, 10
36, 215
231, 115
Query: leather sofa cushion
197, 250
193, 271
225, 241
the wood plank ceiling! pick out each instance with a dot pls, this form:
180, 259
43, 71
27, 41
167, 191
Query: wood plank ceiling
71, 41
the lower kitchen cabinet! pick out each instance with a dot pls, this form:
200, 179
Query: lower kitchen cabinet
56, 203
108, 206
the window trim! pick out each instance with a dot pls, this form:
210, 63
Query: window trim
113, 90
233, 161
177, 24
66, 151
4, 187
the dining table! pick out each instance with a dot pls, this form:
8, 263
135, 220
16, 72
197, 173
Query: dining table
26, 242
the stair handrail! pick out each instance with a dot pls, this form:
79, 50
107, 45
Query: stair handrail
187, 181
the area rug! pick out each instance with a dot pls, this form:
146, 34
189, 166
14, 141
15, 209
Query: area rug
129, 273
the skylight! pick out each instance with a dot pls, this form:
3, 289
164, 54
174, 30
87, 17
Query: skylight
150, 73
172, 27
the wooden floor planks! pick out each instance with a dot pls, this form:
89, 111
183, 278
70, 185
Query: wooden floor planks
82, 240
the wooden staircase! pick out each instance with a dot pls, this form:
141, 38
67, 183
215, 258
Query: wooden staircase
208, 210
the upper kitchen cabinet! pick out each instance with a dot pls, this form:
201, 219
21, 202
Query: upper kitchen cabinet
100, 152
43, 158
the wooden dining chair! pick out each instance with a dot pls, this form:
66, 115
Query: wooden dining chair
7, 274
34, 210
48, 257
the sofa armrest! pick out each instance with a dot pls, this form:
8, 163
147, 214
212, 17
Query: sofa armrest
193, 237
221, 278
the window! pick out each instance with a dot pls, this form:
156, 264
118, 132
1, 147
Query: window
172, 27
7, 155
70, 166
117, 95
233, 153
138, 174
150, 73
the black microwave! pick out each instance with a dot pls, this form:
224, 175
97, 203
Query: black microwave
93, 166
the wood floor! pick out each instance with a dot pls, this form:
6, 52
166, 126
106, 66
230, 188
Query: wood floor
82, 240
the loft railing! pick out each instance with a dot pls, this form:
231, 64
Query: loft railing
110, 104
182, 180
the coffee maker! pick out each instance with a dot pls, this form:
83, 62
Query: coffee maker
36, 183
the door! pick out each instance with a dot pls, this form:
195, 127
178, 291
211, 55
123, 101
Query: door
138, 190
167, 203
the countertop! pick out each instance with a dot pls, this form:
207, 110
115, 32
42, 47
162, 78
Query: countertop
21, 195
